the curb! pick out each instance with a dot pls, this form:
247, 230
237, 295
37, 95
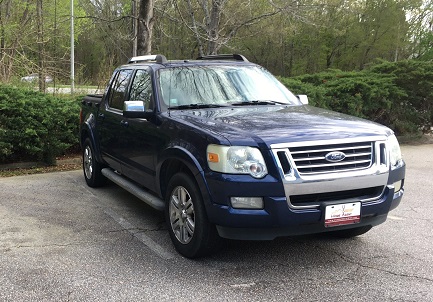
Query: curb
28, 165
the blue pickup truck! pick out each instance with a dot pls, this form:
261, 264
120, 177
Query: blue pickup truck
227, 151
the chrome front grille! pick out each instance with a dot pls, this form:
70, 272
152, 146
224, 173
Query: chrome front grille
317, 159
316, 172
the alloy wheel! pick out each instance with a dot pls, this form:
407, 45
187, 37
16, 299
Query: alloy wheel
182, 218
88, 162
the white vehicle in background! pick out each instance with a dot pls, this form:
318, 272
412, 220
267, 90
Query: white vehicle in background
32, 78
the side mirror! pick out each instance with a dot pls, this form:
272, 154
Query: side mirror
136, 109
303, 98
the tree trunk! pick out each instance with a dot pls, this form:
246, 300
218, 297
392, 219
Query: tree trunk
214, 27
41, 57
145, 27
2, 44
195, 29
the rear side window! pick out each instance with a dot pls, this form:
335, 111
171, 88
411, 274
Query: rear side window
118, 89
141, 89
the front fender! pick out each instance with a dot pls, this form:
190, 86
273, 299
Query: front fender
184, 156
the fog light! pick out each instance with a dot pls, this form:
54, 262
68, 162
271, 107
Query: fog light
397, 186
247, 202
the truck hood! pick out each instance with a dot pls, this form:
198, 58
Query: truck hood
279, 124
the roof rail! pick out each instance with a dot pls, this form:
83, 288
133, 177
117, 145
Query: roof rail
236, 57
161, 59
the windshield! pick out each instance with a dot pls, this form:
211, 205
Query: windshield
215, 86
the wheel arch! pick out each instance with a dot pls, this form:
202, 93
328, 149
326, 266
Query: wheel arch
86, 131
178, 159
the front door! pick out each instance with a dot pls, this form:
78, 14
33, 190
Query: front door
143, 137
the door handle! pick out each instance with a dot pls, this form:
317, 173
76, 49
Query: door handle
124, 123
101, 115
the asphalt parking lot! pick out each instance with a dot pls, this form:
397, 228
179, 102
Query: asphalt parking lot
63, 241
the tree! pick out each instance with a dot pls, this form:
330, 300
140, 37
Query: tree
13, 16
41, 50
214, 23
35, 38
105, 41
145, 27
289, 37
421, 31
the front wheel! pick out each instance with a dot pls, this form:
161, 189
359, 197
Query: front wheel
91, 167
190, 230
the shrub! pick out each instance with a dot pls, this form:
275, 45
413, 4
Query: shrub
415, 110
316, 94
398, 95
36, 126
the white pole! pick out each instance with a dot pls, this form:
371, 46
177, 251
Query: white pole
72, 48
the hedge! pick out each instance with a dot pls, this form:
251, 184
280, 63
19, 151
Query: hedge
398, 95
36, 126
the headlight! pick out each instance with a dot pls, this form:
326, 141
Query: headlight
394, 151
236, 160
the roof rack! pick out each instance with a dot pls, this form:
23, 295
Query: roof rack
161, 59
236, 57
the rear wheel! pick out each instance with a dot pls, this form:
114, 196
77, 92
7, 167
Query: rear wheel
349, 233
190, 230
91, 167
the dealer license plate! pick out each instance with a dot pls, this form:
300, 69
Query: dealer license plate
342, 214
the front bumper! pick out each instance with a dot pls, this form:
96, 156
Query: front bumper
278, 218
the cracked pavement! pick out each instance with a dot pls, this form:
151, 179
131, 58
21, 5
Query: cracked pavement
62, 241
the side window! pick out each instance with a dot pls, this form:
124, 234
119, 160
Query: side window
141, 89
118, 89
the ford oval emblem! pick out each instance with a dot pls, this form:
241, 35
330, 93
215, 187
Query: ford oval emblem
335, 156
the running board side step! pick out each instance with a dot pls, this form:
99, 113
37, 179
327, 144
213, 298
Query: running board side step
152, 200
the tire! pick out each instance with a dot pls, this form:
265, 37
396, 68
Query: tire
91, 167
349, 233
190, 231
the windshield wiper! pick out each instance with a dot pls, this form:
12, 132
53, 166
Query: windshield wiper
258, 102
196, 106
